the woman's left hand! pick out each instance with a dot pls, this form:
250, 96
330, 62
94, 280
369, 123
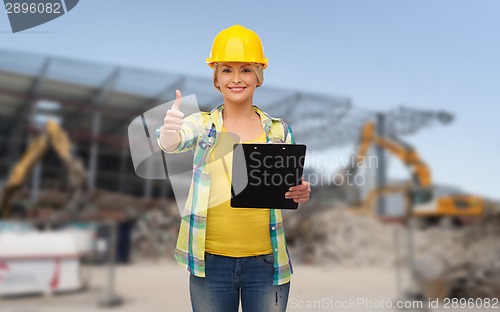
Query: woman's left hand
299, 193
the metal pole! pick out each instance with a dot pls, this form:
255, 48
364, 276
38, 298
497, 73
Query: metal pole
94, 149
381, 176
413, 291
148, 184
111, 299
123, 162
397, 245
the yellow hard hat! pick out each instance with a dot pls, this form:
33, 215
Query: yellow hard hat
237, 44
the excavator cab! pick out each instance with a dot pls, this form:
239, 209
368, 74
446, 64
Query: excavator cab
422, 202
420, 196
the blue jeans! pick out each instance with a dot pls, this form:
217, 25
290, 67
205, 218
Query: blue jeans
228, 278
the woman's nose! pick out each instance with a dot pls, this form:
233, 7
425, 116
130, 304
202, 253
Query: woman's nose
236, 78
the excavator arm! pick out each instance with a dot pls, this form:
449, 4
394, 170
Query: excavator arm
58, 139
418, 192
18, 175
406, 153
76, 173
421, 173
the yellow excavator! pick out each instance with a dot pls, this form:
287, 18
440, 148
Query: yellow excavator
420, 200
57, 138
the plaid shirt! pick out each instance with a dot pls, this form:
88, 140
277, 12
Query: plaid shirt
199, 132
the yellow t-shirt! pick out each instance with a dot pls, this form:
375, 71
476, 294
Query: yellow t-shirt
233, 232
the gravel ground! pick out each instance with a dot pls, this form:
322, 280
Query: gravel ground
163, 287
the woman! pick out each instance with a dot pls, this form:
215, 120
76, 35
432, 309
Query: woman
231, 253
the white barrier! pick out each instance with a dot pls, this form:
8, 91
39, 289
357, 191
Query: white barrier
39, 262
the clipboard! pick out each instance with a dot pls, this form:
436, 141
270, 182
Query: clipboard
262, 173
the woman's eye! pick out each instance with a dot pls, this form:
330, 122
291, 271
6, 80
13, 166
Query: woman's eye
247, 70
226, 70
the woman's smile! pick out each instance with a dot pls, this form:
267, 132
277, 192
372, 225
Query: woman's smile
236, 89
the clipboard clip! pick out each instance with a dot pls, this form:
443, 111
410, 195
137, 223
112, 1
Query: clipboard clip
275, 141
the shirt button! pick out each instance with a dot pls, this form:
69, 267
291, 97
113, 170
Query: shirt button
273, 228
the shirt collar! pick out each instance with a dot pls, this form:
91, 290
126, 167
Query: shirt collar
216, 117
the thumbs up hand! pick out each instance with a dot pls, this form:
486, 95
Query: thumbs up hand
172, 123
174, 118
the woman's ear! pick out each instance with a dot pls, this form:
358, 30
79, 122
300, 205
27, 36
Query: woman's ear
217, 85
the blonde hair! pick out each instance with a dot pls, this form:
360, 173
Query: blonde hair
257, 68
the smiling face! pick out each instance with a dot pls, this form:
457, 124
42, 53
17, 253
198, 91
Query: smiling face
236, 81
